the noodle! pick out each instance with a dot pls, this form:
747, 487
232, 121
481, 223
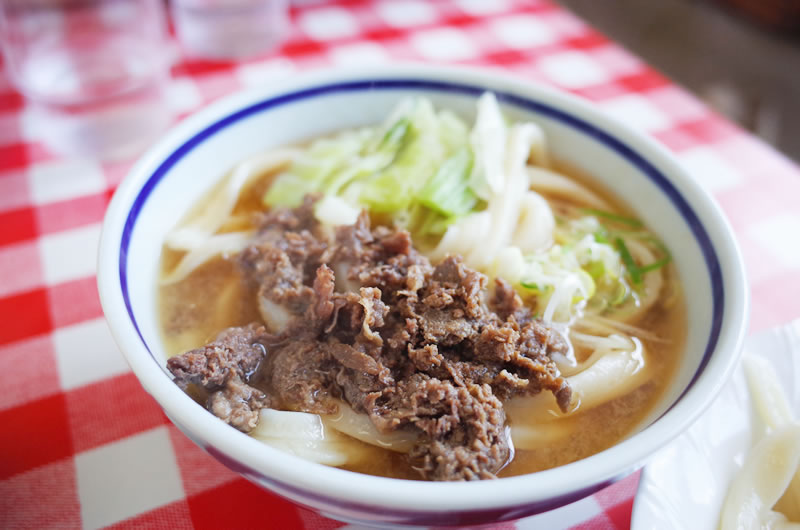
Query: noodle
526, 223
770, 472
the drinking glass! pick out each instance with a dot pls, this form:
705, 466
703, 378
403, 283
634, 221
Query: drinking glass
93, 69
227, 29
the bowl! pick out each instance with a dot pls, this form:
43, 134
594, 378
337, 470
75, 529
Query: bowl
179, 169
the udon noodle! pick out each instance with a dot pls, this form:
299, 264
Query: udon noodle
492, 194
766, 492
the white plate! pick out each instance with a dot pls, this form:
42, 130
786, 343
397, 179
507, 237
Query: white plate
685, 484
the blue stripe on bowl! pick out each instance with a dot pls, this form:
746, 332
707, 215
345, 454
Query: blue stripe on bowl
623, 150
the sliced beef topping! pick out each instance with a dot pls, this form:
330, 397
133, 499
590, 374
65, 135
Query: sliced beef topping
298, 376
238, 404
469, 440
222, 369
361, 315
507, 303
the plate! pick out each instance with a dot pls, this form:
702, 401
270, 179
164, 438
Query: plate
685, 484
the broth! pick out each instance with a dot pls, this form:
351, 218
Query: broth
213, 297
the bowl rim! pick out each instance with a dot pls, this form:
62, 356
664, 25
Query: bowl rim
294, 475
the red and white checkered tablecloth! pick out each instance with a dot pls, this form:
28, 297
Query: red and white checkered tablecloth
81, 444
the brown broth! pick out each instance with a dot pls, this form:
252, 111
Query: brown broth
214, 297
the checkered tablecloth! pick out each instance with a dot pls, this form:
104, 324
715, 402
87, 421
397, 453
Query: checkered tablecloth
81, 444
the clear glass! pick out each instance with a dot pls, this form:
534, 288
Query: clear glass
227, 29
94, 69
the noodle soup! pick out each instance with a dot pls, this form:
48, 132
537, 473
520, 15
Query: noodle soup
569, 267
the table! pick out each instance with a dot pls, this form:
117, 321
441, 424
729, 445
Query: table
81, 444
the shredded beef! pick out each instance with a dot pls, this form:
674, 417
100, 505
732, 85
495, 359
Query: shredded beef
223, 368
297, 375
362, 316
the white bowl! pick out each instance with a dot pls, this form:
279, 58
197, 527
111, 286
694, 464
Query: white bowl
183, 165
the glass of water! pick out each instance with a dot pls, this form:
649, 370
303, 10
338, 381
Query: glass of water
229, 29
94, 70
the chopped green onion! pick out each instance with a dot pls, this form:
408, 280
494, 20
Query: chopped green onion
596, 269
666, 256
601, 236
655, 265
588, 283
598, 303
661, 246
620, 295
633, 269
621, 219
529, 285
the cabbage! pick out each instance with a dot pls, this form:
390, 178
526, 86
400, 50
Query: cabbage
415, 168
557, 280
320, 163
448, 191
394, 187
488, 139
579, 268
470, 189
514, 215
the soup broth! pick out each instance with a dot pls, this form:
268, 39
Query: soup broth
215, 296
